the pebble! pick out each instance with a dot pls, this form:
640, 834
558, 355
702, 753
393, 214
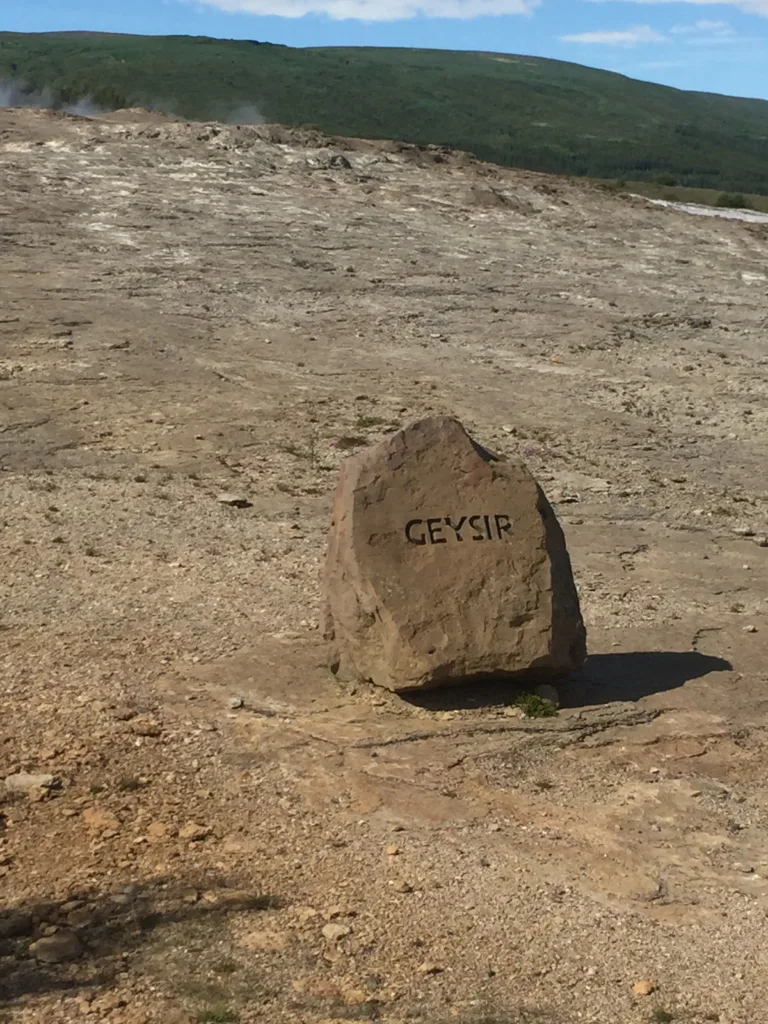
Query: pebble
430, 968
58, 948
762, 542
158, 830
193, 832
548, 692
643, 988
336, 932
235, 702
145, 726
750, 629
29, 785
393, 850
234, 500
400, 885
99, 820
743, 531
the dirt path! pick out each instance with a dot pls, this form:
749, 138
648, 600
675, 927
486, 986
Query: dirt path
191, 310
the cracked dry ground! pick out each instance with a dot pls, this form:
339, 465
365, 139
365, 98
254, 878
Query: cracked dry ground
189, 310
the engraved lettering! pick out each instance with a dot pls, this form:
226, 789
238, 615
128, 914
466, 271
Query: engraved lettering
457, 528
430, 531
478, 534
503, 525
421, 539
433, 528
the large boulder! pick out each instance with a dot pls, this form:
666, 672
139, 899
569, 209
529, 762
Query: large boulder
446, 563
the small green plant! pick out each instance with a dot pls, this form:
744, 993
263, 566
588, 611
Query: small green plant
660, 1016
534, 706
217, 1015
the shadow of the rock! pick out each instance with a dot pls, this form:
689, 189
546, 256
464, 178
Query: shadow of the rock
109, 926
471, 693
604, 679
630, 676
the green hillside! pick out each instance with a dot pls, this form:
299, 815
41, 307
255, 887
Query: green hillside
525, 111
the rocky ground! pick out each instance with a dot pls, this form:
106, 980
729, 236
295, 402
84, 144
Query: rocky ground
197, 324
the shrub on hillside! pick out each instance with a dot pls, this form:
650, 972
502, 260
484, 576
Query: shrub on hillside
733, 201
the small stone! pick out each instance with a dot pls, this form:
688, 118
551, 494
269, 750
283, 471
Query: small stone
355, 996
157, 830
107, 1003
336, 932
393, 850
267, 941
744, 869
29, 785
750, 629
400, 885
306, 914
100, 820
333, 912
235, 702
430, 968
643, 988
762, 542
124, 714
548, 692
234, 500
82, 918
194, 833
58, 948
145, 726
743, 531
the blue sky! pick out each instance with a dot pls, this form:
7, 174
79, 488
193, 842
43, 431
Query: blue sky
691, 44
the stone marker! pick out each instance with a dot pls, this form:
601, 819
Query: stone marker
446, 563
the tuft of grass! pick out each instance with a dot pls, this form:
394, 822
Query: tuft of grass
534, 706
217, 1015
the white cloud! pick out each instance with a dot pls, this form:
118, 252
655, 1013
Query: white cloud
704, 27
627, 37
748, 6
376, 10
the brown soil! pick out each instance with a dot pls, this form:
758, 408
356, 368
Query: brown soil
187, 310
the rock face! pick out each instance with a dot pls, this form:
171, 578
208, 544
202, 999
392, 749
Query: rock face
445, 563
